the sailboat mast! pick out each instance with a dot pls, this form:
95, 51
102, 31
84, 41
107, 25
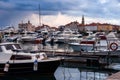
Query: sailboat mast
39, 16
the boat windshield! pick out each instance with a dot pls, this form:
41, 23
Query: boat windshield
9, 47
12, 46
20, 57
17, 46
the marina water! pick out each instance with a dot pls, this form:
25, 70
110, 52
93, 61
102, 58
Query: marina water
63, 73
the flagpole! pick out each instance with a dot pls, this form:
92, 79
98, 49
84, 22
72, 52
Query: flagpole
39, 16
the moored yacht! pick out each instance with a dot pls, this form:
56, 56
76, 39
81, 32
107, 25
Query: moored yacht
68, 36
13, 60
100, 43
84, 45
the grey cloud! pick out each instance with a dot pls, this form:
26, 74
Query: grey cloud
91, 8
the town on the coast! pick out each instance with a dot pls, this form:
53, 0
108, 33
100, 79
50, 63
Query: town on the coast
91, 46
69, 31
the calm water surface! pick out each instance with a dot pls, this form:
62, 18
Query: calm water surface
63, 73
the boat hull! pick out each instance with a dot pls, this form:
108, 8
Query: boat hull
47, 67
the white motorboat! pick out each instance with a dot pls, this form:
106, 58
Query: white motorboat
83, 45
13, 60
100, 43
68, 36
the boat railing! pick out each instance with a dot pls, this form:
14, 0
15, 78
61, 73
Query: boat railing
20, 50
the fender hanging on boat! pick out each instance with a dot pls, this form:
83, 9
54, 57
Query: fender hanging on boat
6, 68
35, 65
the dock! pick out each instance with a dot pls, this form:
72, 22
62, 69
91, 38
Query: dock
115, 76
89, 59
82, 54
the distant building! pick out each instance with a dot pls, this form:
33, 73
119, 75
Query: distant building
74, 26
26, 26
105, 27
116, 27
83, 21
101, 27
91, 28
53, 28
82, 25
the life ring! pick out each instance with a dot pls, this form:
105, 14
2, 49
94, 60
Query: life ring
113, 46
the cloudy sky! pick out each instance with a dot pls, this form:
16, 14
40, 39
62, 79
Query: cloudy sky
58, 12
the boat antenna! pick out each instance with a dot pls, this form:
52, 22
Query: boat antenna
39, 16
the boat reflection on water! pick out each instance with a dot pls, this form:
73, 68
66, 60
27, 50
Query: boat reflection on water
89, 74
63, 73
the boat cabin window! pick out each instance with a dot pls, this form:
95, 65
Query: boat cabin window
20, 57
17, 46
9, 47
12, 46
